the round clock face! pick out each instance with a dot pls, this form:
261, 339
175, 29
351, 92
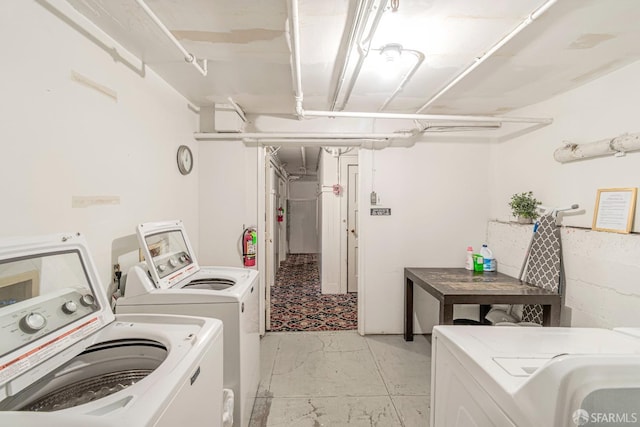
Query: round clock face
185, 160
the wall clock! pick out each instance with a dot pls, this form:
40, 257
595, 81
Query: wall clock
185, 160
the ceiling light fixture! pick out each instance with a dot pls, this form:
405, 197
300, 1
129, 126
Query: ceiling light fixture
391, 51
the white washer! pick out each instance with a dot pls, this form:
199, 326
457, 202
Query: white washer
531, 377
171, 281
66, 360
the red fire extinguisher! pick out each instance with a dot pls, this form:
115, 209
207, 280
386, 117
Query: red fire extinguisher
249, 247
280, 214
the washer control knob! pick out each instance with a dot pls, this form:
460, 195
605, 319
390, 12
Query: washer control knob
182, 259
33, 322
162, 267
173, 262
69, 307
87, 300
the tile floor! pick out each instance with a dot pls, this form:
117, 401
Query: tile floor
340, 378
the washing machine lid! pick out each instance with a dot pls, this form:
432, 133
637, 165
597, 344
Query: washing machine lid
50, 299
167, 252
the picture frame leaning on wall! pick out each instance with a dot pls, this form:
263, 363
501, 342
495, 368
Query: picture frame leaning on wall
615, 210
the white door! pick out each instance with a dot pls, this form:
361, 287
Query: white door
352, 224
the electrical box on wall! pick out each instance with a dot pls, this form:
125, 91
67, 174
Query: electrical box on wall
227, 119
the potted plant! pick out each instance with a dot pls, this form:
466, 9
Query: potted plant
523, 207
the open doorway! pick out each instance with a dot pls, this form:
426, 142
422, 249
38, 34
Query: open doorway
307, 280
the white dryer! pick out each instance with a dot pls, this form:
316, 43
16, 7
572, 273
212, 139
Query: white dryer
531, 377
66, 360
171, 281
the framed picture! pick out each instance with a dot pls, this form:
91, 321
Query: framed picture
615, 209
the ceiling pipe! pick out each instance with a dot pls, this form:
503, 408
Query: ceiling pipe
318, 142
617, 146
420, 59
295, 56
238, 109
524, 24
189, 57
363, 51
304, 158
202, 136
433, 117
354, 34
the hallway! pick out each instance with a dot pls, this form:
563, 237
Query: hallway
341, 378
297, 303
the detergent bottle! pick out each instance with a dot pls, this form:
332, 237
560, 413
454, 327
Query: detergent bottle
489, 260
468, 264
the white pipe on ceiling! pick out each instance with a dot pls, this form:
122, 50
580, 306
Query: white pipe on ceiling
301, 113
304, 158
203, 136
295, 53
617, 146
434, 117
329, 142
363, 52
188, 56
355, 33
524, 24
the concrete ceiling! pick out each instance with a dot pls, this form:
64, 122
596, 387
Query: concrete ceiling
247, 45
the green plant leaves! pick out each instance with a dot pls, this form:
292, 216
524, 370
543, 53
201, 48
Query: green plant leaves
524, 205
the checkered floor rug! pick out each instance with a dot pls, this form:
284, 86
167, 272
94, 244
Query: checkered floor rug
298, 305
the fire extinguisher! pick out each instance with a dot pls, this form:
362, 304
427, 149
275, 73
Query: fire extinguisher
280, 214
249, 247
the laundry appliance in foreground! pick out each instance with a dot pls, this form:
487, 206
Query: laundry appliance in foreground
531, 377
170, 280
66, 360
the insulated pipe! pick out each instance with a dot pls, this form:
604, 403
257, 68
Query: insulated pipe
189, 57
434, 117
617, 146
295, 59
298, 135
524, 24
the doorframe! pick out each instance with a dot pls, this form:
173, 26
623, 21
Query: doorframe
344, 161
261, 224
268, 189
269, 198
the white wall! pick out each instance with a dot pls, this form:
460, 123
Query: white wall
62, 139
439, 205
228, 199
303, 217
303, 189
602, 269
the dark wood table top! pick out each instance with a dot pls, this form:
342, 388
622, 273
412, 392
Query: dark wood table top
458, 281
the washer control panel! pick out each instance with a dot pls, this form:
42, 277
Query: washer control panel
172, 263
30, 320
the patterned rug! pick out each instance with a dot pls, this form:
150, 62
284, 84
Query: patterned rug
298, 305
